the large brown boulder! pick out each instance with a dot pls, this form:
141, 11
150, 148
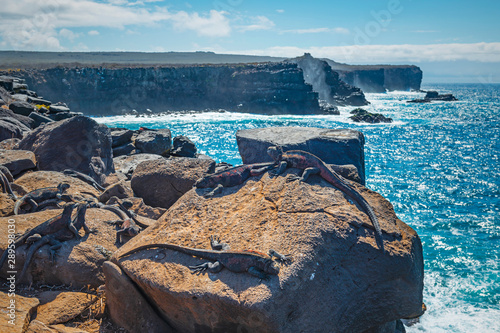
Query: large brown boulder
78, 262
339, 279
161, 182
78, 143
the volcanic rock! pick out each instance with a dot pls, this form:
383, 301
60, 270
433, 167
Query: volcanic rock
22, 310
363, 116
77, 262
78, 143
22, 108
161, 182
339, 279
154, 142
333, 146
17, 161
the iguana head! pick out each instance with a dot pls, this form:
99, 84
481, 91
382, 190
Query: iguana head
275, 152
63, 187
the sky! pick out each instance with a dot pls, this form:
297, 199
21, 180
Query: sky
452, 41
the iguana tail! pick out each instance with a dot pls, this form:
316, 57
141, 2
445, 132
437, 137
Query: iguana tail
18, 205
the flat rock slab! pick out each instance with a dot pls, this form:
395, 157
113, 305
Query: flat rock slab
339, 279
162, 182
333, 146
21, 310
78, 262
17, 161
40, 179
63, 306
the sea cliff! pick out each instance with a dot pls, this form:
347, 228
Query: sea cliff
269, 88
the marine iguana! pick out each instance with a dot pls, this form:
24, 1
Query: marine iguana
39, 195
232, 176
89, 180
48, 227
5, 182
127, 224
252, 262
55, 239
311, 164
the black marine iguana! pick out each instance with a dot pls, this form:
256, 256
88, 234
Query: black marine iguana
252, 262
89, 180
126, 223
232, 176
311, 164
55, 239
5, 179
52, 225
39, 195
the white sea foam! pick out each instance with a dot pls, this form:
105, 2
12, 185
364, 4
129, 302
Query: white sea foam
447, 313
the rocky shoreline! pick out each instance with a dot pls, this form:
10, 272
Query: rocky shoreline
137, 188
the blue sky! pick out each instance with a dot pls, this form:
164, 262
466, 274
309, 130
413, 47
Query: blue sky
442, 36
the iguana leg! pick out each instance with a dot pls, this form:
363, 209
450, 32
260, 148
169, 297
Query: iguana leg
215, 191
216, 244
55, 245
280, 257
305, 175
280, 169
72, 228
33, 204
258, 273
212, 267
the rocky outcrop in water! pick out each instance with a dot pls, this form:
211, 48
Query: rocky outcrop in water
270, 88
435, 96
360, 115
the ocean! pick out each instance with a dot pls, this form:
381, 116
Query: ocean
437, 163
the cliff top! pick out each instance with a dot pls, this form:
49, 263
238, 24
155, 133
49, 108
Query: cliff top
43, 60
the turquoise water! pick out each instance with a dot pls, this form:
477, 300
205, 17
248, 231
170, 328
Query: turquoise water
439, 166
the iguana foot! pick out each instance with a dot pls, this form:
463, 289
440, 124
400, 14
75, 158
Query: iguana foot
213, 267
292, 178
215, 191
280, 257
216, 244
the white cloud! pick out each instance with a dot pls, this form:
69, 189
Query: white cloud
258, 23
36, 24
281, 11
409, 53
215, 24
93, 33
338, 30
68, 34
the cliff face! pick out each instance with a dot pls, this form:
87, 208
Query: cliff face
270, 88
327, 83
379, 78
